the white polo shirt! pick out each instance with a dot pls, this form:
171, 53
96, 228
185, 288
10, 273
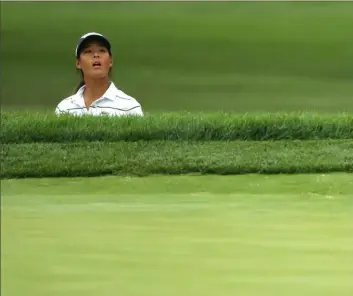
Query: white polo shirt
113, 103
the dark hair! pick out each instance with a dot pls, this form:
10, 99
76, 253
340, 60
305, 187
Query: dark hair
81, 83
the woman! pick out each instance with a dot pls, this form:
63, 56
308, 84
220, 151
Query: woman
96, 95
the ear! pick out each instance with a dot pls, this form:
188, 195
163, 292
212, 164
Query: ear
111, 62
78, 65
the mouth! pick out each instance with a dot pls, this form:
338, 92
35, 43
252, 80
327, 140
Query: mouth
97, 65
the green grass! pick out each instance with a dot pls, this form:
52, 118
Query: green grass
170, 236
28, 127
241, 235
186, 56
168, 157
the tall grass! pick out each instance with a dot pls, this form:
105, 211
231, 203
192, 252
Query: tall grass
22, 127
171, 157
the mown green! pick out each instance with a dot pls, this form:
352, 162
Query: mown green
18, 127
194, 56
169, 157
156, 236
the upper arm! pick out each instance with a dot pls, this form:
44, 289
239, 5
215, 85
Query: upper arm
137, 111
130, 106
58, 111
129, 103
62, 107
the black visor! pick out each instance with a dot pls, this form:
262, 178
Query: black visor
86, 39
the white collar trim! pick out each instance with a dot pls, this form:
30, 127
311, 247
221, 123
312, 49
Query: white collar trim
110, 93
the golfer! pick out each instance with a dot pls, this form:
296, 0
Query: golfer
96, 94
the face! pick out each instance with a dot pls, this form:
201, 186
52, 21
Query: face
94, 61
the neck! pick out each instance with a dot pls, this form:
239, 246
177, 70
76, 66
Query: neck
94, 89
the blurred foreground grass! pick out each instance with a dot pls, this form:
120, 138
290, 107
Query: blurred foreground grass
156, 236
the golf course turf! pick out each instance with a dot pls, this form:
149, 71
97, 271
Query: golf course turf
241, 89
237, 235
39, 145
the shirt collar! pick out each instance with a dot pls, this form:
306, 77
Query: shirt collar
110, 93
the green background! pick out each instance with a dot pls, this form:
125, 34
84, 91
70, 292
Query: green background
186, 56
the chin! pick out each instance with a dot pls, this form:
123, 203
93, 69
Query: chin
99, 74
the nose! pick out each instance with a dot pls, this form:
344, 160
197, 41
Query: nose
96, 53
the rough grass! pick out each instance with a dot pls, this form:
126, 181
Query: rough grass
171, 157
44, 145
29, 127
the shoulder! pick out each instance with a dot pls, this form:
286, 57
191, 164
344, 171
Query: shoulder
125, 101
64, 104
120, 95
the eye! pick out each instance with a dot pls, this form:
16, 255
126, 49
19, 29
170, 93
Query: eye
102, 50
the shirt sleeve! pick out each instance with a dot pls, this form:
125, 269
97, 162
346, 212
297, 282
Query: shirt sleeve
136, 111
59, 111
61, 108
